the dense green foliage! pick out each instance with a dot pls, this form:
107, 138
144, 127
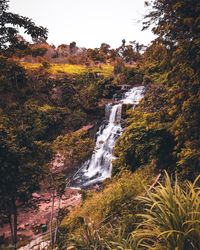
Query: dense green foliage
144, 143
167, 123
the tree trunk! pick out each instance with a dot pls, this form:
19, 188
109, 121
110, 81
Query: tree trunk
51, 219
11, 228
13, 223
57, 220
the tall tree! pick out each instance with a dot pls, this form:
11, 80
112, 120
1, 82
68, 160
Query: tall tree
21, 169
9, 32
22, 157
72, 47
177, 26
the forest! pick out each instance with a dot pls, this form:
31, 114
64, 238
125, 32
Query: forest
52, 103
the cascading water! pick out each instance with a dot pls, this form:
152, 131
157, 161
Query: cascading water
99, 167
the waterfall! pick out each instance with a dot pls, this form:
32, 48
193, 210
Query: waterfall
99, 166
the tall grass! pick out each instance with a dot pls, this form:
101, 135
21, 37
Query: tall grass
171, 217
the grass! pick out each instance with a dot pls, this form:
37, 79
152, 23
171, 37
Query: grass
105, 70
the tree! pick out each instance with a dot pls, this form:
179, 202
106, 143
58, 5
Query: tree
76, 148
176, 23
21, 168
137, 47
22, 157
104, 50
72, 47
57, 187
123, 42
9, 24
12, 76
177, 26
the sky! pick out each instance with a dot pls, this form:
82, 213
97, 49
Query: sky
87, 22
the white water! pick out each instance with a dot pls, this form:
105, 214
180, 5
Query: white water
99, 167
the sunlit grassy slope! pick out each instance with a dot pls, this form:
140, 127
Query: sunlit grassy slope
104, 69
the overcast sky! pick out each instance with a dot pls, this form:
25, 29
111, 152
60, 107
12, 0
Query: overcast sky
87, 22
